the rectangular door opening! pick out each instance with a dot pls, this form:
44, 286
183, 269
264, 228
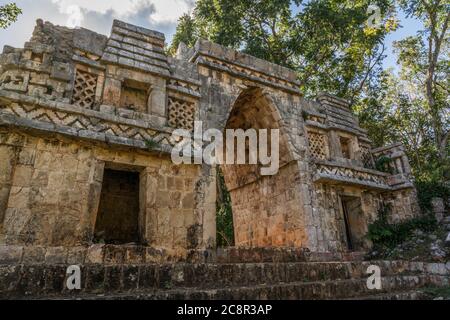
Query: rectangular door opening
354, 222
118, 214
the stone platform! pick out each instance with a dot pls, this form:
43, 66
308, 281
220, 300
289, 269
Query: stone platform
224, 274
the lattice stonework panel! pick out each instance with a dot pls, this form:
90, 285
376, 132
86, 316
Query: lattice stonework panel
84, 89
318, 145
181, 114
366, 157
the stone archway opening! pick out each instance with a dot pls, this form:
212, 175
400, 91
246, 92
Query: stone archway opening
266, 210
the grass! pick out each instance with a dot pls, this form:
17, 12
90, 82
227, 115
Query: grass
413, 250
436, 292
152, 144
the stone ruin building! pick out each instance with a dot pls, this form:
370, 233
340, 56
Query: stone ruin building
85, 167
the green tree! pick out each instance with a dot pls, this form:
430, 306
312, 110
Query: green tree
328, 42
8, 14
185, 32
394, 110
424, 61
224, 216
411, 105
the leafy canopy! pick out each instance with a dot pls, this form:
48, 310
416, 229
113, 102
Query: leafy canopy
411, 105
8, 14
328, 42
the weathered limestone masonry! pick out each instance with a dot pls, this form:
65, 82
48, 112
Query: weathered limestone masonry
85, 126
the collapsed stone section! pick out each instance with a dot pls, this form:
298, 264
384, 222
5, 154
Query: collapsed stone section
75, 104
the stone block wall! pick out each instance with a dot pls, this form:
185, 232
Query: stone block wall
268, 212
73, 102
55, 187
329, 226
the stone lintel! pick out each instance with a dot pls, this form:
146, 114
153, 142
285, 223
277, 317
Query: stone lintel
364, 140
315, 124
356, 131
234, 57
132, 64
360, 169
338, 180
239, 74
184, 91
88, 62
178, 77
334, 173
387, 148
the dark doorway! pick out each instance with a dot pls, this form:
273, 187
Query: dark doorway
354, 222
118, 214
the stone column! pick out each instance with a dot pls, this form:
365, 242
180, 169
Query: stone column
205, 211
406, 165
112, 91
157, 101
437, 205
7, 163
398, 165
147, 200
335, 145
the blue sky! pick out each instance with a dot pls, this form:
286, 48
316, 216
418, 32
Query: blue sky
409, 27
161, 15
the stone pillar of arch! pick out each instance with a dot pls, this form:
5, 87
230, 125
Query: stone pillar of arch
267, 209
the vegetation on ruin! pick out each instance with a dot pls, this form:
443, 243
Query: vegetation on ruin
418, 239
384, 234
427, 190
410, 105
327, 42
332, 48
225, 230
383, 164
438, 292
152, 144
9, 14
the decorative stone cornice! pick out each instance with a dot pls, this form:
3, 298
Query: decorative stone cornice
27, 112
329, 172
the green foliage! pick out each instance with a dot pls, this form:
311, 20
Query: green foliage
330, 46
395, 111
8, 14
387, 235
224, 217
152, 144
411, 105
427, 190
327, 42
185, 32
436, 292
383, 164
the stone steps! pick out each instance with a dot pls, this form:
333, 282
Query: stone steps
39, 279
407, 295
135, 254
219, 280
393, 288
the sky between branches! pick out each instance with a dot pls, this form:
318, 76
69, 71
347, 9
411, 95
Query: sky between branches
161, 15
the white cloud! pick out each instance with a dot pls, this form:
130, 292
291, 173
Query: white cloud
164, 11
96, 15
75, 16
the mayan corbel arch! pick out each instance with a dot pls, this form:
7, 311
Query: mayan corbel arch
242, 92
